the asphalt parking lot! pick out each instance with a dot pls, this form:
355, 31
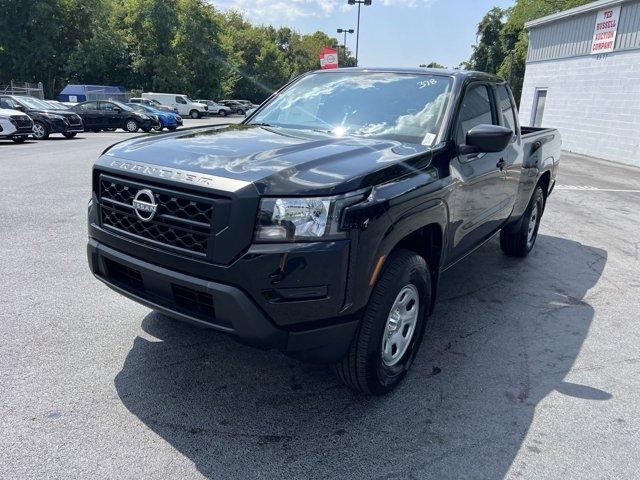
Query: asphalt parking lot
529, 369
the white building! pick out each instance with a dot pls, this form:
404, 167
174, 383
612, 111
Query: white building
583, 77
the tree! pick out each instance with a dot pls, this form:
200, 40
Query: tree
502, 46
488, 53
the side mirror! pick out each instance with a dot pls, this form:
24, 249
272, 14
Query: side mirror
117, 109
487, 139
19, 107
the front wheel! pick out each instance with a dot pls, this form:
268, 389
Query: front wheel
222, 113
40, 131
519, 242
69, 134
131, 126
392, 327
194, 114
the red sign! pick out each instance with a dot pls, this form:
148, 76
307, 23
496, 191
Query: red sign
328, 58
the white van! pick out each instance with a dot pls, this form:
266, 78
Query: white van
184, 104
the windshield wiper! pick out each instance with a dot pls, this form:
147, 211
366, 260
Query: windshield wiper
262, 124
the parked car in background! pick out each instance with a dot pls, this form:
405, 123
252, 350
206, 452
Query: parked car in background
46, 119
182, 103
215, 108
15, 125
235, 106
168, 120
153, 103
249, 112
110, 115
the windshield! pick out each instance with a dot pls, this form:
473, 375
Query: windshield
123, 106
34, 103
403, 107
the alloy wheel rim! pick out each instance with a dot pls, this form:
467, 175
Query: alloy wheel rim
400, 325
38, 130
131, 125
533, 221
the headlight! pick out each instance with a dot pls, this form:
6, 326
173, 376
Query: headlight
302, 219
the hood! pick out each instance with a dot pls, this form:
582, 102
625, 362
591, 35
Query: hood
277, 161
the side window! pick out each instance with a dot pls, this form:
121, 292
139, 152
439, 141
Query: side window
181, 100
6, 102
507, 109
88, 106
106, 106
475, 110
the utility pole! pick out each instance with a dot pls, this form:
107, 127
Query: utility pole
359, 2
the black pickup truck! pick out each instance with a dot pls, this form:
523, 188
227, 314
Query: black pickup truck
321, 225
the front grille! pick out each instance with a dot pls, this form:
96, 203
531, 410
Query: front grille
182, 221
21, 121
124, 275
74, 120
199, 304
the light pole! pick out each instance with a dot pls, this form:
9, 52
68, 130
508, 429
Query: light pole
345, 31
359, 2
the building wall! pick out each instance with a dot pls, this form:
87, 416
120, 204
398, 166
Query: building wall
594, 101
572, 36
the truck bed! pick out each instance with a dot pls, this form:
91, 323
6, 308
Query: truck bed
540, 146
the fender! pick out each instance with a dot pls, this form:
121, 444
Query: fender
392, 212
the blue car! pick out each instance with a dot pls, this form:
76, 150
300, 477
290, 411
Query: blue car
168, 120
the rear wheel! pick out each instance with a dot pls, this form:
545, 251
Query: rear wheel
520, 242
40, 130
19, 139
172, 129
194, 114
69, 134
146, 129
392, 327
97, 130
131, 126
222, 113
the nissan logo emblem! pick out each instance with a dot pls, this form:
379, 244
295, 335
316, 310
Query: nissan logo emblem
144, 204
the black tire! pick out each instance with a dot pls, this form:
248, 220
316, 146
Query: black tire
19, 139
109, 129
69, 134
363, 368
40, 130
194, 114
519, 242
172, 129
146, 129
97, 130
222, 113
131, 125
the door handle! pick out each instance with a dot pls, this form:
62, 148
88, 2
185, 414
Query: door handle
501, 164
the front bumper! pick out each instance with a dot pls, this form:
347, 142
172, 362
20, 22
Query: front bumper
60, 126
230, 307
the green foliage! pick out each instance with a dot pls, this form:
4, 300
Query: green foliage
181, 46
503, 43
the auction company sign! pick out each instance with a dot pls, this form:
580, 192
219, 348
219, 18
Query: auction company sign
328, 58
604, 35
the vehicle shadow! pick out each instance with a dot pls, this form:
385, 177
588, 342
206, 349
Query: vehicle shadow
504, 335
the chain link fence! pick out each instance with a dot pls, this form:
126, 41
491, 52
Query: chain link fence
23, 88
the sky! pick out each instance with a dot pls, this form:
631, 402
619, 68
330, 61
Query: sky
401, 33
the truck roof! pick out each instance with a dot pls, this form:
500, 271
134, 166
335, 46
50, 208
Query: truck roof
433, 71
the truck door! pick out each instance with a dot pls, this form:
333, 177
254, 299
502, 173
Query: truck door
480, 204
181, 104
513, 155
